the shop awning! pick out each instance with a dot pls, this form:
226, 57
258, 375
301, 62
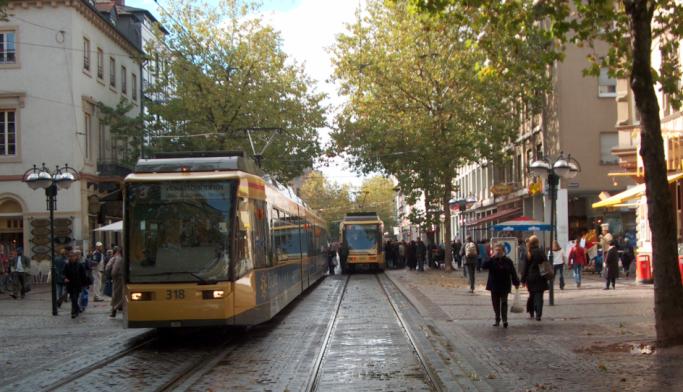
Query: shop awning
631, 193
496, 215
116, 226
522, 223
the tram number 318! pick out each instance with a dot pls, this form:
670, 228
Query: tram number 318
175, 294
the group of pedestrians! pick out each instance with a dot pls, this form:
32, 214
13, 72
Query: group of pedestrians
100, 273
15, 273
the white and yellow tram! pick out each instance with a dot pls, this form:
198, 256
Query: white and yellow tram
212, 241
361, 234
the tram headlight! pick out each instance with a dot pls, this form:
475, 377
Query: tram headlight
218, 294
136, 296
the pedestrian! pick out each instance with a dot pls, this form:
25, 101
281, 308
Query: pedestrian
612, 265
577, 260
106, 290
421, 251
402, 254
412, 255
559, 260
455, 248
532, 278
502, 276
344, 256
75, 279
471, 255
4, 270
60, 263
330, 253
83, 301
97, 268
627, 258
20, 268
115, 269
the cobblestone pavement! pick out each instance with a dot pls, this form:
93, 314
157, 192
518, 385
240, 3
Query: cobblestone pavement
38, 349
590, 340
368, 349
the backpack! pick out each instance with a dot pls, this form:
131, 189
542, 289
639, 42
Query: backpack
471, 249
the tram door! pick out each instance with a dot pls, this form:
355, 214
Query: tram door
303, 247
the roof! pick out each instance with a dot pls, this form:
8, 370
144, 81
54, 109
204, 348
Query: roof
197, 164
95, 8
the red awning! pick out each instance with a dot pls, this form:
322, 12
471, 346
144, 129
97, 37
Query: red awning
501, 214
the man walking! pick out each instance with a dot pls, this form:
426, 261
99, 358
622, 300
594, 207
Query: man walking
97, 267
75, 280
115, 269
60, 263
20, 267
421, 250
471, 256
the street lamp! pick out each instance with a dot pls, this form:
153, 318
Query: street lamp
563, 167
51, 181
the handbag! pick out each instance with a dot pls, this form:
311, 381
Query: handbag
546, 270
516, 303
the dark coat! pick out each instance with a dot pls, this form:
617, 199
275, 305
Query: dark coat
532, 273
502, 275
75, 272
612, 263
60, 263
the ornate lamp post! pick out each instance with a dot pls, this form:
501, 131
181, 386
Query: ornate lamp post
560, 168
51, 181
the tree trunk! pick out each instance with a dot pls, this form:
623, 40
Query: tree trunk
668, 288
448, 256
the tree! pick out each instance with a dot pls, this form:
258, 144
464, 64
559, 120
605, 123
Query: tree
126, 131
631, 28
422, 101
377, 195
226, 73
329, 199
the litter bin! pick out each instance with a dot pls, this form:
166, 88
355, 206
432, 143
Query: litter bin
680, 266
644, 269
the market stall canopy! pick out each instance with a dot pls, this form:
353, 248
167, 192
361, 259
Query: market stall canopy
116, 226
635, 192
523, 223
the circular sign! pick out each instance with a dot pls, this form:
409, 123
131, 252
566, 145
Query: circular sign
40, 249
62, 231
40, 231
40, 223
60, 222
40, 240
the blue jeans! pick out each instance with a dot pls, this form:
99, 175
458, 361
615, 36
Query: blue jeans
83, 300
559, 271
577, 273
59, 288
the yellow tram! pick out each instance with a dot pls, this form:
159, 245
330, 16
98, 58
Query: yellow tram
210, 240
361, 234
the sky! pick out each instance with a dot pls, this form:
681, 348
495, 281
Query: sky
308, 28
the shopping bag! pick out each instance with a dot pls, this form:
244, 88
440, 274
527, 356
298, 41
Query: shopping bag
516, 303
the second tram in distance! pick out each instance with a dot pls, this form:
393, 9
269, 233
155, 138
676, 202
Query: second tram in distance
361, 235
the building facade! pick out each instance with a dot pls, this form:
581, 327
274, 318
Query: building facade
579, 120
58, 60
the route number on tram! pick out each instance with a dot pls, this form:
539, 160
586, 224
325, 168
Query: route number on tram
175, 294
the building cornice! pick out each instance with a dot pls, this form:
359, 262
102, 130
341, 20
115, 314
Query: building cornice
90, 13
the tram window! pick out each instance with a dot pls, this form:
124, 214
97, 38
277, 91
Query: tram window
260, 235
245, 253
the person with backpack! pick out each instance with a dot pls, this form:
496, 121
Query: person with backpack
471, 257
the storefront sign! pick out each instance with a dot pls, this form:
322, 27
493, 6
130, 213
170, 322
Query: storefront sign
535, 188
501, 189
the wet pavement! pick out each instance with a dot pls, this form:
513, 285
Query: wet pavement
369, 349
587, 341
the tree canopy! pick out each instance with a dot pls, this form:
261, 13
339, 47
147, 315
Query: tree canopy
223, 71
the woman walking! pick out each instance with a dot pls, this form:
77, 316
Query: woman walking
558, 263
577, 259
502, 276
535, 283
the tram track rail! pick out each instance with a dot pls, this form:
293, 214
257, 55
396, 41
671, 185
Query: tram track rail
316, 373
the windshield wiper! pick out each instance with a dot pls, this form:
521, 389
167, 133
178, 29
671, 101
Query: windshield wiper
201, 280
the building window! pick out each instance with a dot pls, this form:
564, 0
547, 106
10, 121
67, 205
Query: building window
88, 135
607, 142
8, 48
607, 86
100, 63
134, 86
8, 133
86, 54
112, 72
101, 139
124, 81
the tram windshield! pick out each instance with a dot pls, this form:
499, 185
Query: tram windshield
179, 231
362, 237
